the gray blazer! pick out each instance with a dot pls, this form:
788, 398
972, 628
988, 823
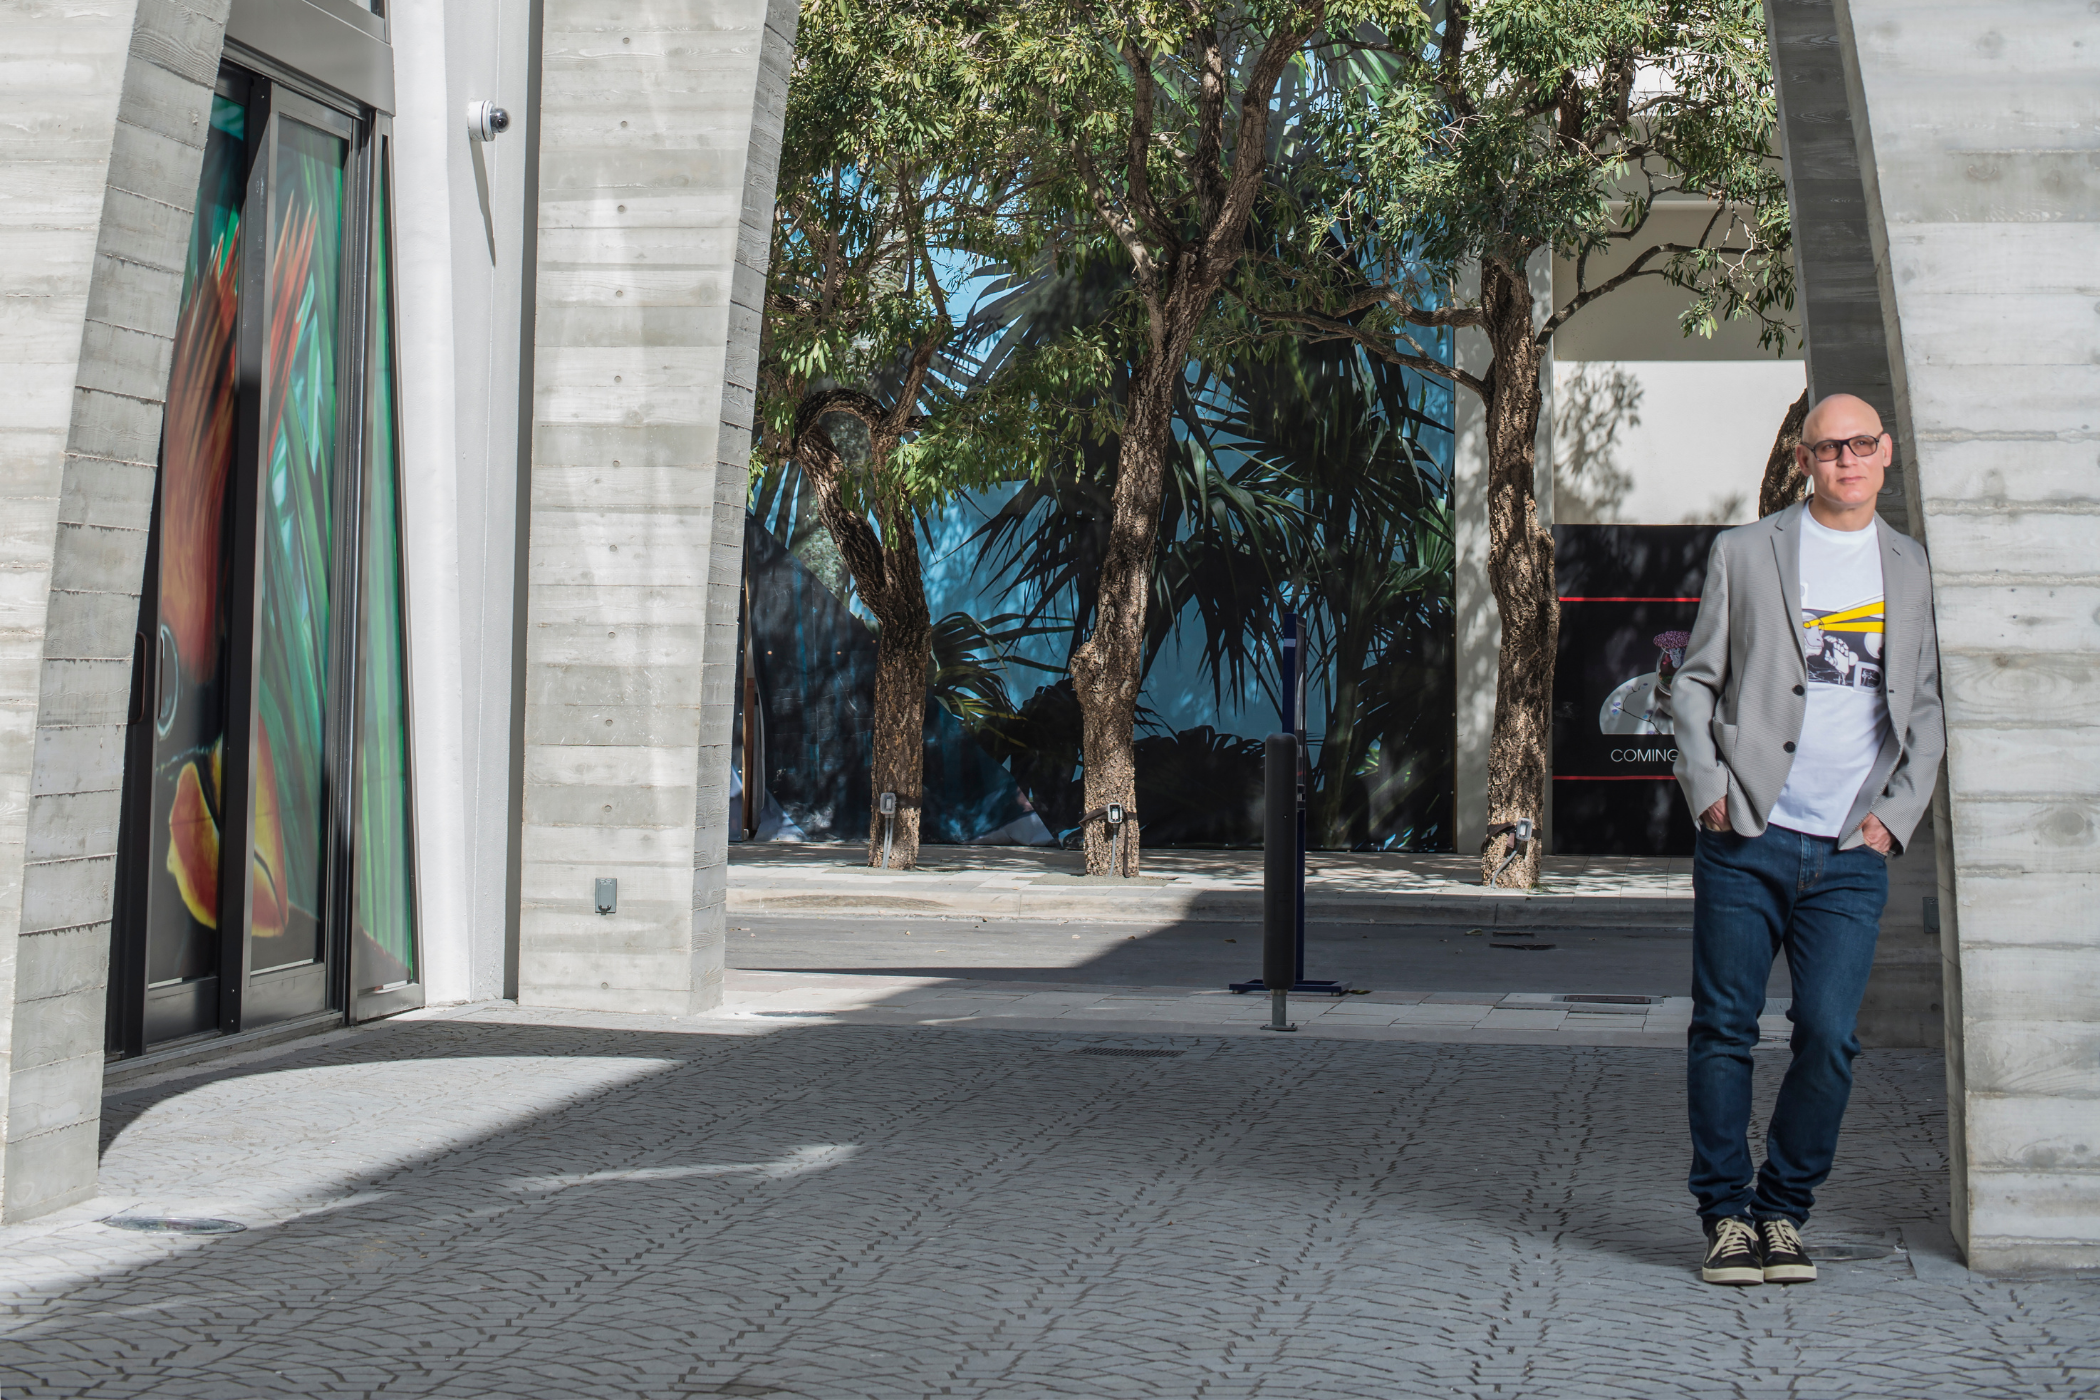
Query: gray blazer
1737, 702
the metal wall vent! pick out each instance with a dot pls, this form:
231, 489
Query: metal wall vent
1127, 1052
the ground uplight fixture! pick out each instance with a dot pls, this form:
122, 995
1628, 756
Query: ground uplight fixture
486, 121
1519, 836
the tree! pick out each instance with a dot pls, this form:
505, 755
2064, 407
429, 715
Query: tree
1784, 482
1156, 130
892, 181
1481, 135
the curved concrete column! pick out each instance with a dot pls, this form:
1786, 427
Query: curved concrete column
659, 144
109, 103
1978, 129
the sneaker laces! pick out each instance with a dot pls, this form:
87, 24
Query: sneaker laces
1731, 1234
1785, 1236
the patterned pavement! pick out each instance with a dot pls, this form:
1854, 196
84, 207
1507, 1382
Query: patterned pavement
516, 1204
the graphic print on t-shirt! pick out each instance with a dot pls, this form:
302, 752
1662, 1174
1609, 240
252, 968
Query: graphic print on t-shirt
1843, 645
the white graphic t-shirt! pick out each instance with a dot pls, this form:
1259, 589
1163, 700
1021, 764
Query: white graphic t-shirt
1841, 633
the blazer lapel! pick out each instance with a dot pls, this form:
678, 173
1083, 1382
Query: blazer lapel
1786, 550
1896, 657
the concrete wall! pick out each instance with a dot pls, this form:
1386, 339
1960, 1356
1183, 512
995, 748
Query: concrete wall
1837, 293
658, 149
108, 104
1979, 133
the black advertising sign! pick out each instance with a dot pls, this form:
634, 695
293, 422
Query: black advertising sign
1628, 597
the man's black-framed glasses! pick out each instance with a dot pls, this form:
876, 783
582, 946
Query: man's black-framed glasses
1863, 446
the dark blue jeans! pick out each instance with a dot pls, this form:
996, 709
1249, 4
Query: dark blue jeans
1752, 897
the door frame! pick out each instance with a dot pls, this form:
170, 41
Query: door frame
248, 1000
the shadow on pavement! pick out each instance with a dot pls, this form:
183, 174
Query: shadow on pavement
527, 1203
1205, 953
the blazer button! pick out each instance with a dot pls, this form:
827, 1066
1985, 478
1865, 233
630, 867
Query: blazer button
1789, 746
1799, 691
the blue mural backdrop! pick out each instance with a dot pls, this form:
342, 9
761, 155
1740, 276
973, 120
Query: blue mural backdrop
1310, 479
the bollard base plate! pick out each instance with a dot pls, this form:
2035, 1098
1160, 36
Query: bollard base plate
1322, 987
1280, 1028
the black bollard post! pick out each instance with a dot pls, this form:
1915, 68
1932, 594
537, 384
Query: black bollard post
1279, 891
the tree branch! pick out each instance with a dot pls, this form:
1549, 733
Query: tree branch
1204, 158
1250, 153
1330, 329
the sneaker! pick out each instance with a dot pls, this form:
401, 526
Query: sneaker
1734, 1252
1786, 1258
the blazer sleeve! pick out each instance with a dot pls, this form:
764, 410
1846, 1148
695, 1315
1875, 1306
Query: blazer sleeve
1695, 692
1908, 792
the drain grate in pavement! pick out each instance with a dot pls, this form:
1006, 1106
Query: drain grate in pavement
173, 1225
1609, 1000
1128, 1052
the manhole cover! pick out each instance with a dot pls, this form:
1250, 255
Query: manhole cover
1127, 1052
1605, 1000
173, 1225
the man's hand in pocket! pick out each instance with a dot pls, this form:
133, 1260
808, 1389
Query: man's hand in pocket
1715, 818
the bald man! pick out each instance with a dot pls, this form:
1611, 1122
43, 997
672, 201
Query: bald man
1807, 717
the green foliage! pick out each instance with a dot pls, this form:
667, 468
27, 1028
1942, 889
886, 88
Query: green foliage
1511, 126
894, 183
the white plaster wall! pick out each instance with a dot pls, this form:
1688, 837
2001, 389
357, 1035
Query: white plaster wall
460, 218
1663, 441
1653, 426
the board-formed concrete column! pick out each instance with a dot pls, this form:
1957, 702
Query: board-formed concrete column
108, 106
659, 143
1839, 299
1979, 133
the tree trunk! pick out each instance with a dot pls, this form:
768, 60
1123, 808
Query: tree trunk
902, 646
1108, 667
886, 572
1520, 571
1784, 481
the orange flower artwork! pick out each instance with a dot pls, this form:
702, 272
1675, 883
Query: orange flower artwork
196, 457
193, 841
272, 905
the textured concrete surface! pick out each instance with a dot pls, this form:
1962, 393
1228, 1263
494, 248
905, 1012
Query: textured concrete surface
659, 139
548, 1204
103, 140
1838, 298
1979, 129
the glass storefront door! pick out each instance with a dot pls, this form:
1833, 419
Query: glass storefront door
269, 718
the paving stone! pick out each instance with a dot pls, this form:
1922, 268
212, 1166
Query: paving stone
518, 1203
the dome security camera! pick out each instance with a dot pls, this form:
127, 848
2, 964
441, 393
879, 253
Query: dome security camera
486, 121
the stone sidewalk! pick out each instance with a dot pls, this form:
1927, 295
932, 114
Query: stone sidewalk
513, 1203
1476, 1018
1006, 882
